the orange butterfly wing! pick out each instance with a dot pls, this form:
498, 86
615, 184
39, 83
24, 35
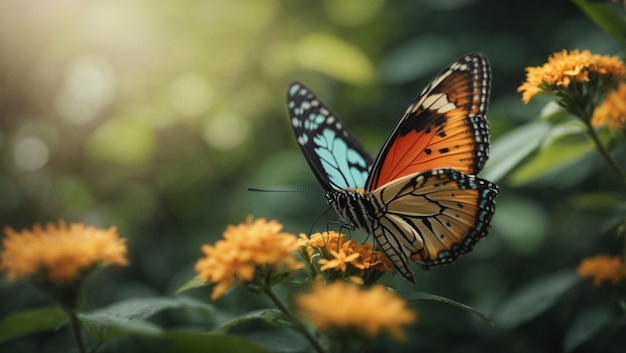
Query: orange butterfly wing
445, 127
432, 217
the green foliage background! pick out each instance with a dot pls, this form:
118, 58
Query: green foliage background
156, 116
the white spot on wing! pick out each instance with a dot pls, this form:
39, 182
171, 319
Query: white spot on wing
439, 103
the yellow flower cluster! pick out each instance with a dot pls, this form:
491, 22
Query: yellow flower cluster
245, 248
612, 112
565, 67
60, 252
347, 307
339, 254
602, 268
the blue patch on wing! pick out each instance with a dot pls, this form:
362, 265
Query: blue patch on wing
344, 167
359, 175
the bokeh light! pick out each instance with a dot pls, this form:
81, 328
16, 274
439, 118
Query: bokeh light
31, 153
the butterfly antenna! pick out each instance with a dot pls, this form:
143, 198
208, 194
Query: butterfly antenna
284, 190
296, 190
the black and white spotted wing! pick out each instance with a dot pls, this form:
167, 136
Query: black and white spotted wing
337, 159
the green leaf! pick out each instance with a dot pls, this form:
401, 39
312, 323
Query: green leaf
534, 299
347, 62
202, 342
143, 308
411, 295
564, 147
126, 317
103, 327
25, 322
585, 326
554, 113
192, 284
509, 150
572, 130
598, 201
273, 316
280, 340
606, 17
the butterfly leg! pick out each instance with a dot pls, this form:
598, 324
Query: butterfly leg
342, 225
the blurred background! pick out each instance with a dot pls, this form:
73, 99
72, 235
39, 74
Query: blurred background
156, 116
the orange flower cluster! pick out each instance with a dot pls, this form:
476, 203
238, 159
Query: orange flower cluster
565, 67
60, 252
244, 249
612, 112
343, 255
347, 307
602, 268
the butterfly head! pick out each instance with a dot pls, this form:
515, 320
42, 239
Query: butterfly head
346, 201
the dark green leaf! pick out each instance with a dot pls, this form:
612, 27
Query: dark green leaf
280, 340
410, 295
273, 316
606, 17
143, 308
30, 321
202, 342
126, 317
585, 326
103, 327
534, 299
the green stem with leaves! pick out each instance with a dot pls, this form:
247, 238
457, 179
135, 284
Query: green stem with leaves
297, 324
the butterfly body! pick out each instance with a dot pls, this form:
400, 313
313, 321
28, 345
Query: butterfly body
420, 197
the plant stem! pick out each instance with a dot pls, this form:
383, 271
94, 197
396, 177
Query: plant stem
75, 323
603, 152
623, 234
298, 325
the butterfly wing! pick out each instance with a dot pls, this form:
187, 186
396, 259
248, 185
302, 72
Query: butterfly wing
337, 159
432, 217
444, 127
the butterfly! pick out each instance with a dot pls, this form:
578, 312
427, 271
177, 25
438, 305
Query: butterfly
420, 197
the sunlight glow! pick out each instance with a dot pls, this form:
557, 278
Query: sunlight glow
89, 87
